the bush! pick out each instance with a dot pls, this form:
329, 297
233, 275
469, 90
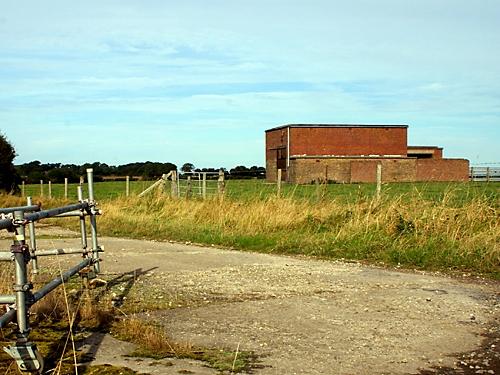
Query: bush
9, 178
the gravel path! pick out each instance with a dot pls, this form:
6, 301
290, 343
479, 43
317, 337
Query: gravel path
305, 316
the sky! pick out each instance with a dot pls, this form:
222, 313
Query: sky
200, 81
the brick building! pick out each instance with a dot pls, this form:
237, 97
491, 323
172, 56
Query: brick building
350, 153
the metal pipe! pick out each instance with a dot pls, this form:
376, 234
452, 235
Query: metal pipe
37, 296
55, 211
8, 317
83, 230
41, 253
22, 286
7, 299
93, 221
5, 223
5, 256
71, 214
31, 227
29, 208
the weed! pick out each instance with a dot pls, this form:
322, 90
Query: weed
153, 342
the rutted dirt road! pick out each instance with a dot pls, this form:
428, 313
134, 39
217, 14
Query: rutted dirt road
305, 316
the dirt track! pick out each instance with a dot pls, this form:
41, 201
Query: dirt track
303, 316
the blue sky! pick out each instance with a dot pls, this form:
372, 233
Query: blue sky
200, 80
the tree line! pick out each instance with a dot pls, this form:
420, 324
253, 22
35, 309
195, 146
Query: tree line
35, 171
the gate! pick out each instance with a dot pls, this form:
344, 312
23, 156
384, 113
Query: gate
15, 220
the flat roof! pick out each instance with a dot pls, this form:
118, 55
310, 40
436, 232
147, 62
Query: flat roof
335, 126
421, 147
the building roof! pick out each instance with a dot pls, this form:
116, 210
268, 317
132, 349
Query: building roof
424, 147
335, 126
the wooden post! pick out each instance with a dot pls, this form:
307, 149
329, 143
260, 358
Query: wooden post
188, 187
82, 180
127, 186
50, 189
317, 188
379, 180
204, 185
278, 182
488, 174
41, 188
23, 189
173, 187
220, 183
65, 187
178, 185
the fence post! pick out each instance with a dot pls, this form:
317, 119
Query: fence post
188, 187
41, 188
21, 286
82, 180
472, 173
204, 185
23, 189
178, 185
127, 186
379, 180
488, 174
93, 221
83, 230
278, 182
65, 187
220, 183
50, 189
173, 187
31, 227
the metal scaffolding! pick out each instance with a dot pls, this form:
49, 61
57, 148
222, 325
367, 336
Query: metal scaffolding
15, 220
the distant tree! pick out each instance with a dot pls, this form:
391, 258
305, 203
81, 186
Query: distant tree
187, 167
9, 179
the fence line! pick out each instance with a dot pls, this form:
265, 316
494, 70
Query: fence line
487, 174
15, 219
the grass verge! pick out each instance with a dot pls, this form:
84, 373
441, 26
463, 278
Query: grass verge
406, 231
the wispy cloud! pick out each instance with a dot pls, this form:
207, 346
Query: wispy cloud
138, 75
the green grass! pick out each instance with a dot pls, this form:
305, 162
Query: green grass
259, 189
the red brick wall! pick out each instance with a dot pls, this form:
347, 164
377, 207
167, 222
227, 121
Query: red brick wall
306, 171
364, 170
347, 141
274, 139
442, 170
393, 170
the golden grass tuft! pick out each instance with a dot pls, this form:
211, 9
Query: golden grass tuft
153, 341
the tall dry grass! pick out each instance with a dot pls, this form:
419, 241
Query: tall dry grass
406, 230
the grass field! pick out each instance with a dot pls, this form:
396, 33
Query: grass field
451, 227
258, 189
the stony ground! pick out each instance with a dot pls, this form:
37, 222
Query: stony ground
300, 315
